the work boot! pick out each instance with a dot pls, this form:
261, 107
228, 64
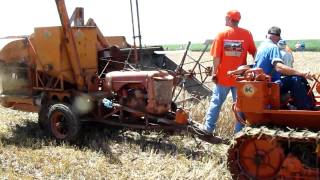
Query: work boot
204, 130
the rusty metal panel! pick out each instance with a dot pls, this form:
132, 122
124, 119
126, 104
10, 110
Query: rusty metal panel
86, 43
119, 41
13, 50
163, 90
51, 50
47, 43
14, 71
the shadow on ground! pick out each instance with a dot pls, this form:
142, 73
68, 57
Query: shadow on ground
98, 137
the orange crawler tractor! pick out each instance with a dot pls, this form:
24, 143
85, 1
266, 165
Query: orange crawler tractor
71, 74
278, 143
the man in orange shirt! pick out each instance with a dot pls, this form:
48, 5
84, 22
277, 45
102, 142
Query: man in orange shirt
229, 51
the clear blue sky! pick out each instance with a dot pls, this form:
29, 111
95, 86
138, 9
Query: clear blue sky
169, 21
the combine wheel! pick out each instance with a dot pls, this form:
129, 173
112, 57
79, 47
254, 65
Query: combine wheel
62, 123
258, 159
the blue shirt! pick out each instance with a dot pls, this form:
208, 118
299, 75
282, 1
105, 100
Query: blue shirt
268, 53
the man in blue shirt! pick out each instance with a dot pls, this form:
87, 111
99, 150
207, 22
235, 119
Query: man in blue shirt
268, 58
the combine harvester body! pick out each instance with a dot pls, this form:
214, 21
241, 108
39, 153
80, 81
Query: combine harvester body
72, 74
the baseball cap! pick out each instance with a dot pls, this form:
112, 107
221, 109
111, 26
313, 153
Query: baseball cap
234, 15
274, 30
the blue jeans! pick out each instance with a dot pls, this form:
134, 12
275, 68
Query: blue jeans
298, 87
219, 95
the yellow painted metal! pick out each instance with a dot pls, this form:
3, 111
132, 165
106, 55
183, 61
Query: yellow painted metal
69, 42
119, 41
14, 59
13, 49
52, 53
86, 43
103, 43
46, 51
48, 46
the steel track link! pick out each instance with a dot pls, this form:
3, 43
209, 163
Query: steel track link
289, 136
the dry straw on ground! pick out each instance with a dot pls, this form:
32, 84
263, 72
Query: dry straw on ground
105, 153
102, 152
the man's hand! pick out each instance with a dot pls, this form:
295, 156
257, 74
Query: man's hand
309, 75
214, 78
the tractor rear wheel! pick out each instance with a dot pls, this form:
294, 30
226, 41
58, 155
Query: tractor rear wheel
62, 122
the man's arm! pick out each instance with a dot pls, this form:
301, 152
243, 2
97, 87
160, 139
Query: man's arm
216, 63
252, 47
216, 52
286, 70
239, 70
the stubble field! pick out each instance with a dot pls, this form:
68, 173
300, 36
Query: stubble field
105, 153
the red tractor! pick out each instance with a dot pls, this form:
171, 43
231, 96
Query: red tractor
277, 143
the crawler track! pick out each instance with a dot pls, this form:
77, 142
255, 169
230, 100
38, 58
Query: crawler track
265, 153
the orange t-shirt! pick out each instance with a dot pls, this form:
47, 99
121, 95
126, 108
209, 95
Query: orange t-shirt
232, 46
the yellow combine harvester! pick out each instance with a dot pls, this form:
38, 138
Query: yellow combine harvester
71, 74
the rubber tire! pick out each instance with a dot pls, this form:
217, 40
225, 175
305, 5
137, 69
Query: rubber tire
72, 121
